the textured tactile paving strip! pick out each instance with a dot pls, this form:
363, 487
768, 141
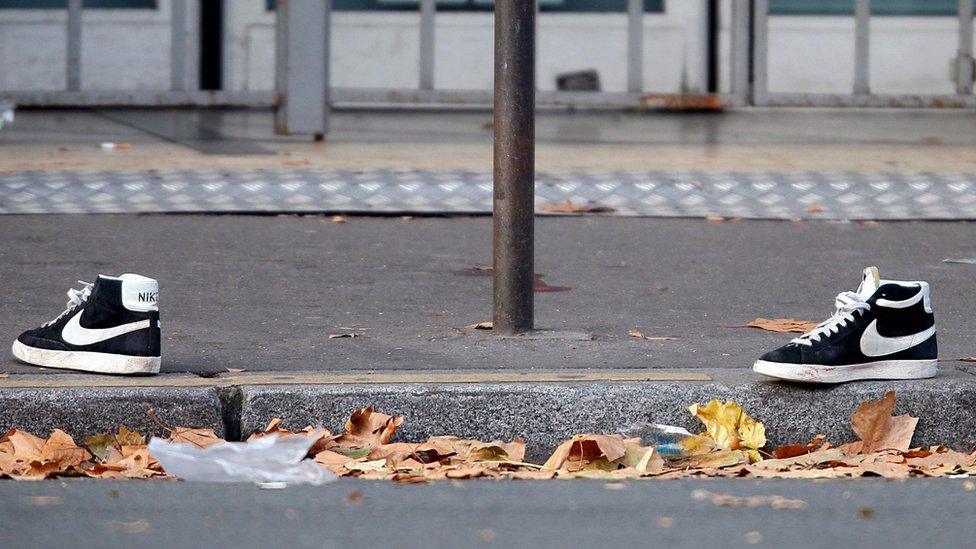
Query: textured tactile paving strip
771, 195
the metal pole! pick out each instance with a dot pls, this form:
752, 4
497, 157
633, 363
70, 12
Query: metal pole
74, 45
862, 46
302, 66
704, 37
327, 71
514, 166
177, 46
760, 52
427, 10
739, 38
964, 70
635, 45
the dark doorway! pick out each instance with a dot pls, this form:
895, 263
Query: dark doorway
211, 44
714, 26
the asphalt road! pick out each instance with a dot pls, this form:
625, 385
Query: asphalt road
350, 513
265, 292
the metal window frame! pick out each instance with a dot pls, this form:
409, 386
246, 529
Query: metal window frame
749, 30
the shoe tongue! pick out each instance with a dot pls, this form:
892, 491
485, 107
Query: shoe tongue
869, 282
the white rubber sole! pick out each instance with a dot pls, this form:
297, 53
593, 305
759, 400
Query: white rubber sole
87, 361
816, 373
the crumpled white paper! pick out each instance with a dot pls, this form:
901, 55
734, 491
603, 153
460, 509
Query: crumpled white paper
272, 458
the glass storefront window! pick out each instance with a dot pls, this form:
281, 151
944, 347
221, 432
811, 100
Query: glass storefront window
878, 7
63, 4
568, 6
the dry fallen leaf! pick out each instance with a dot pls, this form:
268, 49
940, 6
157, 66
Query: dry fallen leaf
943, 459
541, 286
339, 219
43, 500
367, 428
332, 460
707, 464
569, 207
727, 500
729, 425
109, 447
496, 450
640, 335
408, 478
235, 370
25, 456
813, 459
793, 450
781, 325
642, 459
486, 325
531, 474
61, 448
378, 465
23, 444
345, 334
134, 527
585, 450
201, 438
878, 430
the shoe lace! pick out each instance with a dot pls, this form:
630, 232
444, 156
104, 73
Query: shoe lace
847, 304
76, 298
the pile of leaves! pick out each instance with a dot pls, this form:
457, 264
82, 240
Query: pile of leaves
732, 445
24, 456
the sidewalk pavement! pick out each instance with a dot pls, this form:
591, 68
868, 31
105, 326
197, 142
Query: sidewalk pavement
743, 141
263, 294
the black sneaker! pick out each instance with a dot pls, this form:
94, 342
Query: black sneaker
884, 330
109, 327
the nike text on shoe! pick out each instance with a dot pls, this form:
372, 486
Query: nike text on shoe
884, 330
109, 327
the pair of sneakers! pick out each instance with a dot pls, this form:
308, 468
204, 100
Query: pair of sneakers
883, 330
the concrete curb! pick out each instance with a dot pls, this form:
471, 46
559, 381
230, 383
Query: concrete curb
543, 413
82, 411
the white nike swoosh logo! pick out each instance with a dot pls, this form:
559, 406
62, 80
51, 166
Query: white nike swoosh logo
875, 344
75, 334
900, 304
